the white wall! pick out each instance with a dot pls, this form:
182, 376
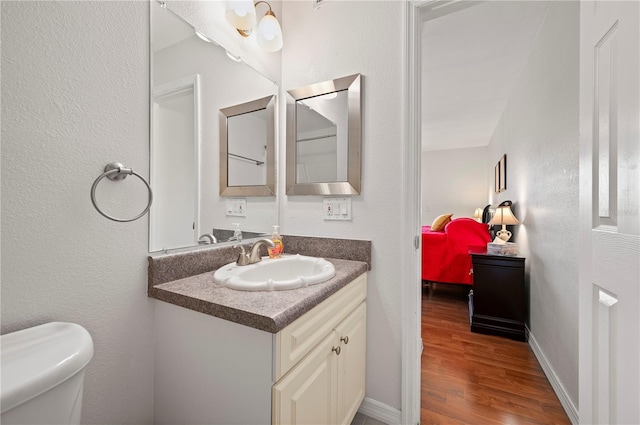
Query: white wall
454, 181
539, 134
323, 44
75, 96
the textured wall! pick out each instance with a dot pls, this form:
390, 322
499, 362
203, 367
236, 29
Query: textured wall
539, 134
326, 43
74, 98
454, 181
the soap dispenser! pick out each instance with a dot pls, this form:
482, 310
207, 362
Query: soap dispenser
237, 233
276, 251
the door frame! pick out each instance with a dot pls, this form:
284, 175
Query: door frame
411, 200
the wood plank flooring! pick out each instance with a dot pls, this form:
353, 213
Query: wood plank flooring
470, 378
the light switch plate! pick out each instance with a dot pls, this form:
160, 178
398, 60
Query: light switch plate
236, 207
336, 208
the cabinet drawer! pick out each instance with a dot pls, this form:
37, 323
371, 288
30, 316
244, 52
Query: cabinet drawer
298, 339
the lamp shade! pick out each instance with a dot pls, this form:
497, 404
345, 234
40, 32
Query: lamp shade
241, 14
504, 216
477, 213
269, 33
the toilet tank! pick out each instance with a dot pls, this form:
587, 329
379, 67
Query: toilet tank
43, 373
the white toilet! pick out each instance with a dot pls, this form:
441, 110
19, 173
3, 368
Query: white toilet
43, 373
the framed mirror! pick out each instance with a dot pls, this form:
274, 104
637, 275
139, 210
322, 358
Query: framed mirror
192, 79
324, 138
247, 148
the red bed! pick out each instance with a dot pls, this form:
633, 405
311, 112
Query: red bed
445, 254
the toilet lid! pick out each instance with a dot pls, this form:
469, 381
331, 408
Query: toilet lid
36, 359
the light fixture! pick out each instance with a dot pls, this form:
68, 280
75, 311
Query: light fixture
504, 216
241, 14
478, 215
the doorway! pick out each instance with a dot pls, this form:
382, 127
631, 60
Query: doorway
174, 172
415, 79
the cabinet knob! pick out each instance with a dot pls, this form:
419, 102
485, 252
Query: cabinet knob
336, 349
345, 339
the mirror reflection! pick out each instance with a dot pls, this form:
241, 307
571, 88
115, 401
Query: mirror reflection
322, 144
247, 149
324, 138
247, 156
192, 80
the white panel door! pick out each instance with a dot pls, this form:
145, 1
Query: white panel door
609, 219
174, 166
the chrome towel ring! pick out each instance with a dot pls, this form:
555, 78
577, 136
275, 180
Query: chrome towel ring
116, 171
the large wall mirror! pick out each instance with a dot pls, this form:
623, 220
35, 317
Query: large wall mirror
192, 81
324, 138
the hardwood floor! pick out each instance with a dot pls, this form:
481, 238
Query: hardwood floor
470, 378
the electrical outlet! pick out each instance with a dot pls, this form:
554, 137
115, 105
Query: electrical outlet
236, 207
336, 208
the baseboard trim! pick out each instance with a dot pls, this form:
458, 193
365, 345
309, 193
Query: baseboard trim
380, 411
557, 386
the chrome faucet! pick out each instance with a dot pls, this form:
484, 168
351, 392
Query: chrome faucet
208, 239
253, 256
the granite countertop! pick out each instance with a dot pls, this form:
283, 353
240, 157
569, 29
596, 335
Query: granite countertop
266, 311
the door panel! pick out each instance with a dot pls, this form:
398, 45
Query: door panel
609, 218
307, 395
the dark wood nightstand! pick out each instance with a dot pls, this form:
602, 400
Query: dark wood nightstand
500, 302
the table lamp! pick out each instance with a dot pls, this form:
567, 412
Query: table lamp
504, 216
478, 215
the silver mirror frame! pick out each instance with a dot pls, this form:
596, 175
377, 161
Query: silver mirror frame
352, 84
269, 189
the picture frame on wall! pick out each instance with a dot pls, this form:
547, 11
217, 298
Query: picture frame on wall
503, 173
500, 175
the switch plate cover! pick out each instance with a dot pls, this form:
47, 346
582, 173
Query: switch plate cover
336, 208
236, 207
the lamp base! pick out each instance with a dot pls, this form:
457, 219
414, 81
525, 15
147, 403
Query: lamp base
503, 234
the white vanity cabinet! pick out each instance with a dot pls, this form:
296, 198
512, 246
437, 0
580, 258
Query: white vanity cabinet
209, 370
327, 385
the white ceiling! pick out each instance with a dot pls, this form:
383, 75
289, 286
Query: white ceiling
471, 61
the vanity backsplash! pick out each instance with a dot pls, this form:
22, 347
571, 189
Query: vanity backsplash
173, 266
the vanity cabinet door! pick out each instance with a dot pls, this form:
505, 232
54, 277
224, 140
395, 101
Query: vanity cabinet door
307, 394
328, 385
352, 334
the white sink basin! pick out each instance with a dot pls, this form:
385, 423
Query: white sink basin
275, 274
